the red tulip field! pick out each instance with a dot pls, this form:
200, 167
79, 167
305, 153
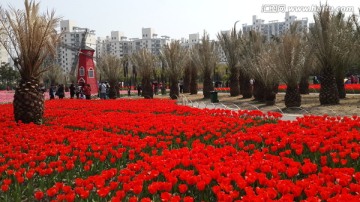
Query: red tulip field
155, 150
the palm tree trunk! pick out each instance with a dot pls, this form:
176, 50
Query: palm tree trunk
270, 95
259, 91
245, 86
304, 85
234, 82
174, 88
193, 81
29, 102
147, 90
292, 96
341, 87
186, 88
329, 94
112, 90
208, 85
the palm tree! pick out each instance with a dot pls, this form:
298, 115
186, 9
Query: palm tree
111, 67
187, 77
356, 21
326, 38
309, 67
229, 43
193, 78
256, 56
288, 62
345, 49
32, 39
145, 63
205, 56
174, 57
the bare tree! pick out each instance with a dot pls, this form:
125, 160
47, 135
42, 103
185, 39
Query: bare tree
174, 58
204, 56
32, 38
145, 63
53, 75
111, 67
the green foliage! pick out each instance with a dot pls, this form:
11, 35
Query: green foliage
8, 76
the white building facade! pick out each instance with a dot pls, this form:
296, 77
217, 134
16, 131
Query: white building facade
119, 45
275, 28
4, 56
193, 39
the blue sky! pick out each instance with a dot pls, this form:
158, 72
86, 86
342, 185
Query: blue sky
173, 18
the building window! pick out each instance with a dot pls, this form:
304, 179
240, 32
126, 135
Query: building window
91, 73
82, 71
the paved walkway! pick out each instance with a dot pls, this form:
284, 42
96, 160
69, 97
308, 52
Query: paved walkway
183, 100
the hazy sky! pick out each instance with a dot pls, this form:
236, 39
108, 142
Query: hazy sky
174, 18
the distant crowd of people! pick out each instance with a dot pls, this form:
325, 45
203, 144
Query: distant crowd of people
80, 91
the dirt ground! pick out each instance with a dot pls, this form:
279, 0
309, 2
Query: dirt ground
310, 104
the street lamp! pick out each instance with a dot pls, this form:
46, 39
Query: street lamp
235, 25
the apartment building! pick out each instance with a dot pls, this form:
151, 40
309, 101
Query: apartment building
193, 39
119, 45
275, 28
4, 56
70, 43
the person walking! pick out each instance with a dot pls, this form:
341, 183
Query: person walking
52, 91
72, 89
87, 91
61, 91
102, 89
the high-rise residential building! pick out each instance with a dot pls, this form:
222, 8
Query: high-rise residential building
222, 56
4, 56
116, 44
275, 28
70, 43
119, 45
193, 39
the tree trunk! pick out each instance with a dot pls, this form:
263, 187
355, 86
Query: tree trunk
174, 88
29, 102
117, 91
147, 90
270, 96
193, 81
245, 86
329, 94
186, 87
292, 97
259, 91
304, 85
112, 90
341, 87
208, 85
234, 82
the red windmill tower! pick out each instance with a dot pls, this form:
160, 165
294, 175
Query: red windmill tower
83, 64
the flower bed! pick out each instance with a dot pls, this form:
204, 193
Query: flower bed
314, 88
155, 150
